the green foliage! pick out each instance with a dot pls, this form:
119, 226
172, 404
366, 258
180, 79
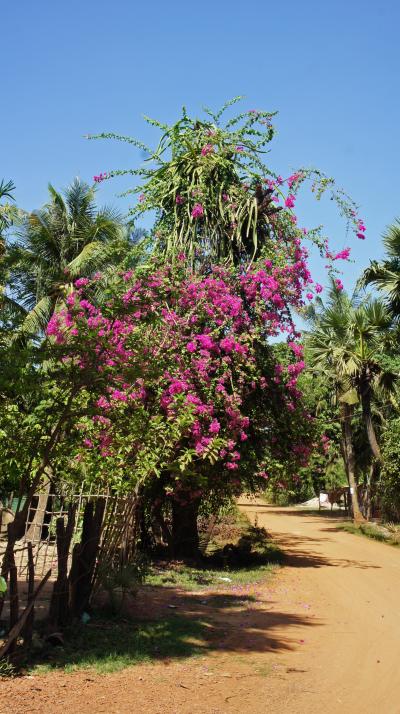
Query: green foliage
42, 398
347, 347
9, 213
121, 579
346, 337
66, 239
385, 274
7, 669
389, 487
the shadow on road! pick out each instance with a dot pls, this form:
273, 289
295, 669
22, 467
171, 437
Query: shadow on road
200, 623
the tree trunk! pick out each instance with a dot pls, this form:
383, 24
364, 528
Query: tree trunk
27, 630
84, 557
365, 392
350, 460
59, 606
185, 536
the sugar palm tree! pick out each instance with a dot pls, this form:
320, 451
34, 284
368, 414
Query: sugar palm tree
67, 239
345, 344
385, 274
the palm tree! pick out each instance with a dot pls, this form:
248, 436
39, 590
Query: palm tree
10, 215
345, 345
8, 211
385, 275
67, 239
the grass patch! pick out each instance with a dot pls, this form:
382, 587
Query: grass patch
108, 646
374, 531
237, 554
173, 575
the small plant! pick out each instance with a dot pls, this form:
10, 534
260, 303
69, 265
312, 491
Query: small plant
121, 581
394, 530
6, 669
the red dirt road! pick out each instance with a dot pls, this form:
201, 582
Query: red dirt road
323, 635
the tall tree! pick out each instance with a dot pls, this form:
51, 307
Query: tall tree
346, 343
9, 216
67, 239
8, 211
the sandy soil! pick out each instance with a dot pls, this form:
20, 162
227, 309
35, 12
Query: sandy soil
322, 636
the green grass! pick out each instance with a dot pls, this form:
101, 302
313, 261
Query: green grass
108, 646
369, 530
189, 578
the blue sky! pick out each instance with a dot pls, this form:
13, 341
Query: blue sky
331, 69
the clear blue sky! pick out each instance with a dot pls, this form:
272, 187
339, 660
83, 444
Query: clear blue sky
330, 68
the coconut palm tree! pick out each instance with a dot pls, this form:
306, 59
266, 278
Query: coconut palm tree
67, 239
8, 210
346, 343
10, 215
385, 274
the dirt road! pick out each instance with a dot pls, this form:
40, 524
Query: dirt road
352, 586
321, 636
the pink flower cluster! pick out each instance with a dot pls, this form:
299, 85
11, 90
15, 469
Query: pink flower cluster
194, 340
197, 210
100, 178
342, 255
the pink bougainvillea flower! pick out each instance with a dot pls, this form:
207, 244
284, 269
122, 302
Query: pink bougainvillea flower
339, 284
205, 341
293, 178
290, 201
179, 199
81, 282
309, 296
342, 255
214, 427
318, 288
240, 148
100, 178
197, 211
361, 236
227, 344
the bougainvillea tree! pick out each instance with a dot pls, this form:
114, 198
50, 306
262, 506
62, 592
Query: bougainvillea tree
195, 402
